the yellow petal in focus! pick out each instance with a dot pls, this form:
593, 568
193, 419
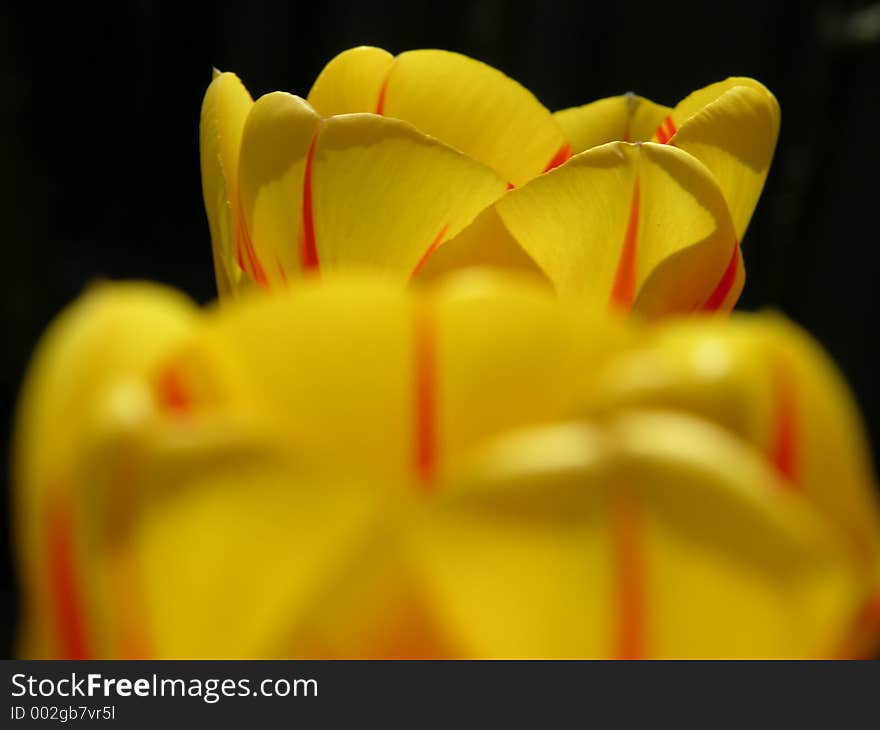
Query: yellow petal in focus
352, 82
352, 191
224, 110
623, 226
625, 118
735, 137
466, 104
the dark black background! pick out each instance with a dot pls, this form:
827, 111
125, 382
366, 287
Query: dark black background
100, 108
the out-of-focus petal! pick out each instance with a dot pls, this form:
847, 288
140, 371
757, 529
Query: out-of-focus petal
768, 382
462, 102
356, 372
356, 190
659, 536
224, 110
626, 226
626, 118
249, 538
87, 385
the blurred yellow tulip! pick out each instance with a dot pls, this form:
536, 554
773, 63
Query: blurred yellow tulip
473, 468
427, 162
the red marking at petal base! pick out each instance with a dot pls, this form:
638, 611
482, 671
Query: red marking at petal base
629, 573
171, 390
624, 288
438, 239
666, 130
563, 154
425, 416
64, 584
725, 284
309, 247
783, 447
511, 186
383, 90
254, 267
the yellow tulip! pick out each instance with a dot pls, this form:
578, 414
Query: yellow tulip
427, 162
474, 468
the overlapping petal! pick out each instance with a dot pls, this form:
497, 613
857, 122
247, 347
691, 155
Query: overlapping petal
769, 383
657, 536
224, 111
625, 226
626, 118
731, 127
466, 104
89, 387
355, 372
415, 451
351, 191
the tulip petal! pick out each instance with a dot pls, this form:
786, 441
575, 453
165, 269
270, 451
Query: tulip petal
385, 195
396, 389
768, 382
352, 82
626, 226
224, 110
626, 118
735, 137
653, 538
460, 101
275, 150
86, 388
357, 190
247, 538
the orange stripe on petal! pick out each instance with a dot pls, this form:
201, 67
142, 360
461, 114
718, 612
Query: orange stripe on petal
725, 284
425, 416
624, 289
64, 584
380, 102
171, 391
666, 130
438, 239
563, 154
309, 246
629, 573
253, 265
784, 447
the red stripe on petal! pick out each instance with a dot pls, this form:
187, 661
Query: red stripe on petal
253, 265
383, 90
64, 584
624, 287
666, 130
438, 239
563, 154
784, 443
425, 416
309, 247
171, 391
725, 284
629, 573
